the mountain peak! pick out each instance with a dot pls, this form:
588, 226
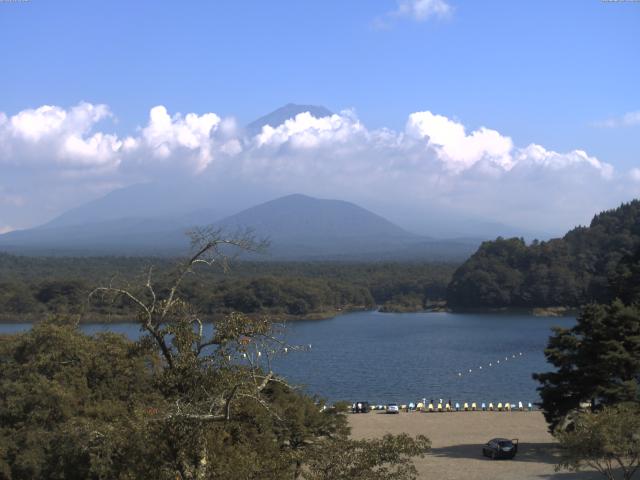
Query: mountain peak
284, 113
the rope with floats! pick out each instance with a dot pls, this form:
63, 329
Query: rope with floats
490, 364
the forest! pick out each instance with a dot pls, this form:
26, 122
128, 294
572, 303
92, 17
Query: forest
571, 271
31, 287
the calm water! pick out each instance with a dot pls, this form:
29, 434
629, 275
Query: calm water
385, 357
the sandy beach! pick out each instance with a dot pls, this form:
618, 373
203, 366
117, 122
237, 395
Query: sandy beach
457, 438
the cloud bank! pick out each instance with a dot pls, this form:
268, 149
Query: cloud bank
56, 158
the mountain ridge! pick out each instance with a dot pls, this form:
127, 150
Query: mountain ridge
300, 227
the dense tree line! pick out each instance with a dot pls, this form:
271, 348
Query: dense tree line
570, 271
598, 360
592, 398
32, 286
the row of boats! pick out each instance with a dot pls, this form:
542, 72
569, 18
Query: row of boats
363, 407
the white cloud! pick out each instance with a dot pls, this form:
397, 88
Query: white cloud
421, 10
51, 135
417, 10
630, 119
307, 131
435, 163
191, 140
554, 161
457, 150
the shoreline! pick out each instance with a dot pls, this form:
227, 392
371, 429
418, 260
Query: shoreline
560, 312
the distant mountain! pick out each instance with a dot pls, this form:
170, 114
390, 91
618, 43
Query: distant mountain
154, 200
282, 114
302, 226
299, 228
124, 236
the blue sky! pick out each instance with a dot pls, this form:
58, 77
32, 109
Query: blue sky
540, 71
560, 74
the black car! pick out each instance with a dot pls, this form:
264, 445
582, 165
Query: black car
361, 407
500, 448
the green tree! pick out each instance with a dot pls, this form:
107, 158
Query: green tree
388, 458
597, 361
607, 441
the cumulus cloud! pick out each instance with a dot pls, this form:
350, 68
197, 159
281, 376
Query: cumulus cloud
457, 150
52, 135
434, 163
630, 119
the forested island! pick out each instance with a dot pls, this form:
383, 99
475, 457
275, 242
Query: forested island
571, 271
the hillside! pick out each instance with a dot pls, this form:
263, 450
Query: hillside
569, 271
298, 227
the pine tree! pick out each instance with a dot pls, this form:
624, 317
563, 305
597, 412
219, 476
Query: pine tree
597, 361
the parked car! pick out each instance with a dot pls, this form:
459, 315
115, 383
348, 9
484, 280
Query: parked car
393, 408
361, 407
500, 448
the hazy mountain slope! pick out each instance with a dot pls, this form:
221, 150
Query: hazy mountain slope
126, 236
153, 200
299, 228
302, 217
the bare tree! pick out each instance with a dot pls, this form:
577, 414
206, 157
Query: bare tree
205, 368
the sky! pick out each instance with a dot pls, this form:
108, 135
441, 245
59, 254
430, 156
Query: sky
525, 112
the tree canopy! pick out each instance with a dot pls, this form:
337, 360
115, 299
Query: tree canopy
569, 271
607, 441
597, 361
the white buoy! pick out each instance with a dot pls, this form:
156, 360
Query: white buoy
286, 349
469, 370
491, 365
459, 374
259, 354
480, 367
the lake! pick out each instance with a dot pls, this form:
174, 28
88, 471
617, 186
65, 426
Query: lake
386, 357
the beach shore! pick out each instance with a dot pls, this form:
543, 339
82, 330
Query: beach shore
457, 438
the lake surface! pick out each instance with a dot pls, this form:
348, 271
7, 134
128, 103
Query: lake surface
386, 357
